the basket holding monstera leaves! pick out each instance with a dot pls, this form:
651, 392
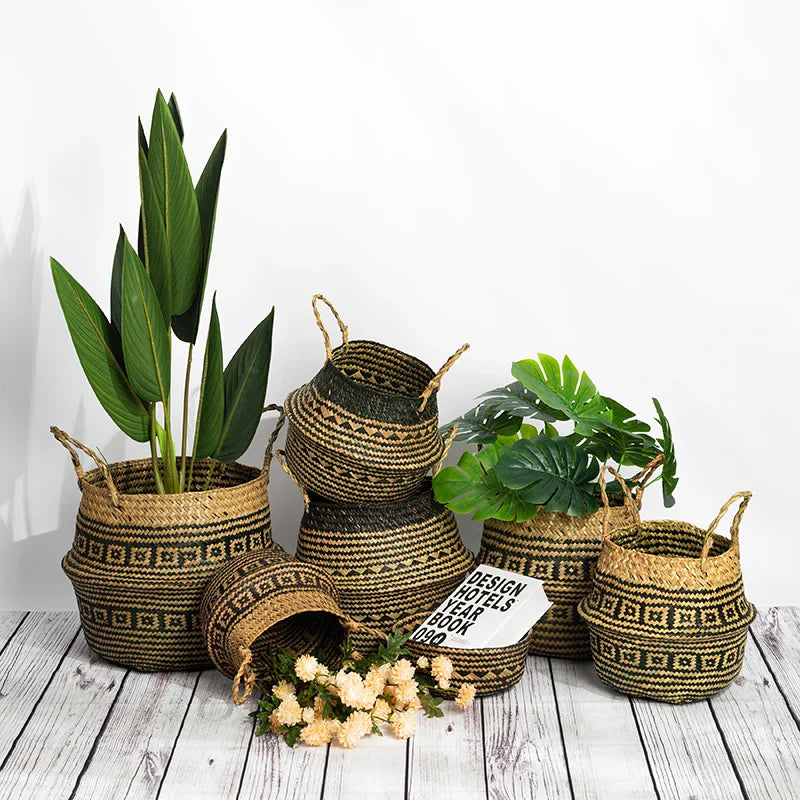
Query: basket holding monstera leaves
150, 532
533, 480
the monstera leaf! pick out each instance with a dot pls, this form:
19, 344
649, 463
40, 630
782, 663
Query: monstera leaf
552, 473
627, 449
483, 424
474, 488
521, 402
565, 390
669, 481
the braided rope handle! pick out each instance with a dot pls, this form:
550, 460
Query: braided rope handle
280, 457
737, 519
321, 326
245, 673
630, 502
644, 476
274, 435
70, 444
449, 439
436, 380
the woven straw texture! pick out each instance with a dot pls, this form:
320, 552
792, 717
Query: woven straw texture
365, 428
562, 551
140, 561
667, 613
389, 561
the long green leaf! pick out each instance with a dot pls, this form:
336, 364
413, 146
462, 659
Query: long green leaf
116, 282
552, 473
176, 196
157, 258
564, 389
211, 408
669, 481
245, 380
145, 340
144, 146
100, 353
185, 325
176, 115
521, 402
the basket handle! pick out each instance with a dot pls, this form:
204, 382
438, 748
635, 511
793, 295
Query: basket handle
280, 456
245, 673
325, 336
709, 540
67, 441
436, 380
274, 435
630, 502
448, 440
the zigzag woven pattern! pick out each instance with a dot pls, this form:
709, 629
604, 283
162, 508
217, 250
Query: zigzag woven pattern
666, 623
139, 568
389, 561
562, 551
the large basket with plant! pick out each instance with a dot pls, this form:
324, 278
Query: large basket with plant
667, 614
390, 560
150, 532
536, 487
364, 429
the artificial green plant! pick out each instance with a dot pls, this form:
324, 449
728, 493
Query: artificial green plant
157, 290
519, 468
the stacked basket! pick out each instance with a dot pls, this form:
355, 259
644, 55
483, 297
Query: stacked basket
363, 435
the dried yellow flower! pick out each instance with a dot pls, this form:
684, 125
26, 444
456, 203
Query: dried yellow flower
353, 729
273, 721
283, 690
317, 732
289, 712
375, 681
353, 693
319, 707
403, 670
305, 667
308, 715
442, 671
381, 710
465, 696
423, 663
404, 724
405, 694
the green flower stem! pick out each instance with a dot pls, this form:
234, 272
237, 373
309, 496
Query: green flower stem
171, 480
184, 433
154, 451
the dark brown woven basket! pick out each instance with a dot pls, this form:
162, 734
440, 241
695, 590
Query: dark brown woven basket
389, 561
140, 561
365, 428
562, 551
668, 615
267, 598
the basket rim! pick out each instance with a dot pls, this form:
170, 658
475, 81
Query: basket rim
609, 541
325, 503
86, 484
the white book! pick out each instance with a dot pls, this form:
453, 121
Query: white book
491, 607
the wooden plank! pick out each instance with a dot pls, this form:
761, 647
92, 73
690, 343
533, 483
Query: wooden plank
759, 731
26, 666
210, 753
524, 752
131, 756
9, 622
275, 771
686, 752
777, 635
58, 739
445, 756
378, 761
605, 755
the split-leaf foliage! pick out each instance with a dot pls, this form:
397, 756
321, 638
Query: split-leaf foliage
157, 289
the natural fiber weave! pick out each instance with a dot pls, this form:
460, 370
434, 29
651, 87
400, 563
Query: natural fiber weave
365, 428
140, 561
667, 613
389, 561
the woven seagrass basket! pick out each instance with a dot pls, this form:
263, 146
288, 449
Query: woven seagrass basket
365, 428
266, 598
562, 551
668, 616
389, 561
140, 561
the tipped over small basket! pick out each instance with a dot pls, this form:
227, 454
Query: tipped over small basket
668, 617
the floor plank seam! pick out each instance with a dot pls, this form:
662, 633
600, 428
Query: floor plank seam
407, 788
177, 736
725, 744
14, 633
483, 740
246, 758
39, 700
644, 748
775, 680
97, 738
561, 729
325, 770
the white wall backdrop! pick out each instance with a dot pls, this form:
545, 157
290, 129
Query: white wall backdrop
617, 181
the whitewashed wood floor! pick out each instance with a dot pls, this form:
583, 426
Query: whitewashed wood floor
74, 726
